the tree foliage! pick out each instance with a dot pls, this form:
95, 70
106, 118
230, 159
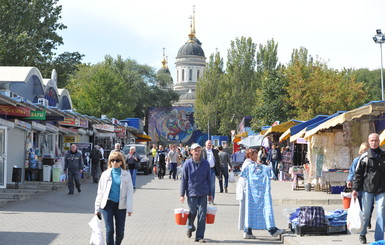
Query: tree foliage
117, 88
315, 89
239, 84
28, 37
271, 94
208, 94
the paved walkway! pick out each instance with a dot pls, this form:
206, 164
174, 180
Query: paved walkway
56, 218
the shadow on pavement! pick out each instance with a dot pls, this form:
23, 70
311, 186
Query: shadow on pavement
30, 238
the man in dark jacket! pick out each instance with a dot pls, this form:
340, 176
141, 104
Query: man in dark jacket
370, 178
195, 184
96, 156
274, 157
211, 155
73, 167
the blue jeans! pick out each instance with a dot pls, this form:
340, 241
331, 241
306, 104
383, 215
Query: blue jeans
110, 211
274, 166
133, 176
197, 206
173, 167
367, 203
212, 182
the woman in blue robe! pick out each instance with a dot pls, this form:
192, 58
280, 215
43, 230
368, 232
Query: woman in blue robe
254, 190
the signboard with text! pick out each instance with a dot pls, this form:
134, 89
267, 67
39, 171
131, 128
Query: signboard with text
37, 115
74, 122
15, 110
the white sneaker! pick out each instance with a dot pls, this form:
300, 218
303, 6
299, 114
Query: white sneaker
247, 236
278, 232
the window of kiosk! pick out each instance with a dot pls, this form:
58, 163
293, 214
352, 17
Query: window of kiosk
47, 144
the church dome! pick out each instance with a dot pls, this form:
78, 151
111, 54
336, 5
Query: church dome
191, 48
164, 70
187, 96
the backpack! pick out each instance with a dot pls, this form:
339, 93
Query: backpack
311, 216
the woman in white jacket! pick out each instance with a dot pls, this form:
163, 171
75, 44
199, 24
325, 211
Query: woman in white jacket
115, 197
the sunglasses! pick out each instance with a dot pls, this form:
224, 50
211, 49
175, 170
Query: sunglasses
116, 160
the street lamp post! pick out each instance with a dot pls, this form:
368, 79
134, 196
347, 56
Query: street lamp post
380, 38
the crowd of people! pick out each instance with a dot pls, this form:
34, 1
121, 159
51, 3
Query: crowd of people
197, 167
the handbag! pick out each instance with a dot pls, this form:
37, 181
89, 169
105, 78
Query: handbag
355, 218
231, 177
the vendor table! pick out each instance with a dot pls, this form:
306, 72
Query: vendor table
333, 178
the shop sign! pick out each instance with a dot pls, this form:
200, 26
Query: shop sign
15, 110
22, 124
70, 139
54, 118
37, 115
38, 126
105, 127
301, 141
74, 122
52, 128
119, 130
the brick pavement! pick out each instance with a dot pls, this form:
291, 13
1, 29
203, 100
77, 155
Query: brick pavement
56, 218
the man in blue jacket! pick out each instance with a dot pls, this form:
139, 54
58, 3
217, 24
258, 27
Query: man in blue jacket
195, 185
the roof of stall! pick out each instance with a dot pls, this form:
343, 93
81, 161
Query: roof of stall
372, 109
281, 128
299, 127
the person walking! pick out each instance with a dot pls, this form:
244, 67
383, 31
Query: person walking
160, 159
196, 178
114, 198
370, 178
73, 166
274, 157
102, 160
254, 193
172, 158
117, 148
95, 163
349, 182
133, 161
211, 155
224, 160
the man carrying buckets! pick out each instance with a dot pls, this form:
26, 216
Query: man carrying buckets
195, 184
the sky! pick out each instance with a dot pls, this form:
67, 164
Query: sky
338, 32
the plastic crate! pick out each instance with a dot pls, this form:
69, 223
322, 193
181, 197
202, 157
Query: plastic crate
337, 229
312, 230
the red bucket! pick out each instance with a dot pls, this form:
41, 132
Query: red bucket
346, 202
210, 214
181, 216
346, 198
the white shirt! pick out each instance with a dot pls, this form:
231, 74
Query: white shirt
102, 151
210, 158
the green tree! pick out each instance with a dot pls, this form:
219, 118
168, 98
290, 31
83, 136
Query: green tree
372, 82
271, 94
239, 84
117, 88
28, 37
208, 96
315, 89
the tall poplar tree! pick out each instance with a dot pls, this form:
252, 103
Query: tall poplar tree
209, 96
239, 84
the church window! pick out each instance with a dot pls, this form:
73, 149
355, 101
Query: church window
177, 75
190, 75
197, 74
182, 75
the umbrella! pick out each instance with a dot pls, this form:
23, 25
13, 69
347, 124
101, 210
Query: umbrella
252, 140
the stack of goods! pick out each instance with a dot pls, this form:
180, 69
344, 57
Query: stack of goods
312, 220
337, 221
